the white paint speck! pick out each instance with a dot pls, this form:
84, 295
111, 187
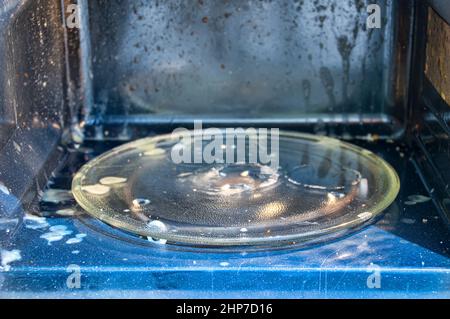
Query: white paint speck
56, 233
76, 240
65, 212
157, 241
365, 215
35, 222
72, 241
57, 196
7, 257
112, 180
224, 264
96, 189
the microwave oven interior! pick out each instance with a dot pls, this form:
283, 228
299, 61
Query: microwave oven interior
82, 77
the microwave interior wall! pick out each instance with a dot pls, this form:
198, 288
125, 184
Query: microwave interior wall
306, 64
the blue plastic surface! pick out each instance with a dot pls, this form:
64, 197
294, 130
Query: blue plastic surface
404, 255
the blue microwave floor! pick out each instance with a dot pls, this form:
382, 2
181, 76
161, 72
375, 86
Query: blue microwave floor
59, 252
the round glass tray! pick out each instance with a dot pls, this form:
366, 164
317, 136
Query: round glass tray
321, 187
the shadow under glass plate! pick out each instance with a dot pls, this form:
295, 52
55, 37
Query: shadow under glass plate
321, 187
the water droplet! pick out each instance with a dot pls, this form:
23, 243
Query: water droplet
157, 226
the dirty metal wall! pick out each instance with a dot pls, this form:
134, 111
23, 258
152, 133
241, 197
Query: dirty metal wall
437, 67
245, 59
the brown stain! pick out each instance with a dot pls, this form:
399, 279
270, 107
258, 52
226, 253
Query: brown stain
437, 66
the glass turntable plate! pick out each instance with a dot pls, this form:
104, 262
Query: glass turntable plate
320, 187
